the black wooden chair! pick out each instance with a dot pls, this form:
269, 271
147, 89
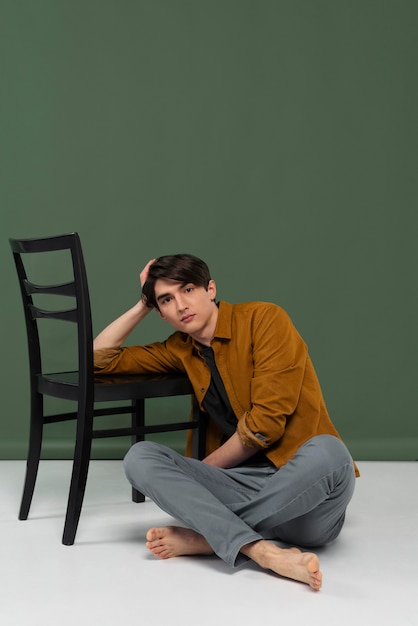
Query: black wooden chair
81, 385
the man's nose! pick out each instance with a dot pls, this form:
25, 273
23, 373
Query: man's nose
181, 304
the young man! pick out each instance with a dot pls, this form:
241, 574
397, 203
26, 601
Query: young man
276, 468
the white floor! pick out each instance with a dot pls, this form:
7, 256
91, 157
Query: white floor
109, 578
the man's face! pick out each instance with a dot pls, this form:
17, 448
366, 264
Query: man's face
187, 308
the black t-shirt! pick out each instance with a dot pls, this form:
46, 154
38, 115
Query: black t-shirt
216, 403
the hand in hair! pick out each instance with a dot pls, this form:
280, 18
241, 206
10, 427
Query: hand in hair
143, 276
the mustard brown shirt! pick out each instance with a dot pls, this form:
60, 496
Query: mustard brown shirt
266, 370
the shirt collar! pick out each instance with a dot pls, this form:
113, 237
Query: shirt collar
223, 324
224, 321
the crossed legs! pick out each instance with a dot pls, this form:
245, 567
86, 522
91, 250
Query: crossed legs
233, 513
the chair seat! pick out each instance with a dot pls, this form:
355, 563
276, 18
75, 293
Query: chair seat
117, 387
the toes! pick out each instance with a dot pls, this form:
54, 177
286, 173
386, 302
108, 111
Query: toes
153, 534
154, 547
316, 582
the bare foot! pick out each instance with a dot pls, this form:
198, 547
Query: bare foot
289, 562
173, 541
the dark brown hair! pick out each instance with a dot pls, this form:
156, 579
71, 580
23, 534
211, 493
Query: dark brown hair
184, 268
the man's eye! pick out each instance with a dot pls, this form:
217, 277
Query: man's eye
189, 289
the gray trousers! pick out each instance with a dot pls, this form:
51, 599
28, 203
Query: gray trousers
303, 503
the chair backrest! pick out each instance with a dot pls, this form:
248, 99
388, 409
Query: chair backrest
78, 312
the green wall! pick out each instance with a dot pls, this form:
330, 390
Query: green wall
275, 139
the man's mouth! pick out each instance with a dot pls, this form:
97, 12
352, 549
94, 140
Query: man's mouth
187, 318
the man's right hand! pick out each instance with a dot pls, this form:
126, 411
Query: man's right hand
143, 277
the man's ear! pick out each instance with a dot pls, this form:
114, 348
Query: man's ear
212, 289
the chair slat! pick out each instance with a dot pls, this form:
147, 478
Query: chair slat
64, 289
66, 316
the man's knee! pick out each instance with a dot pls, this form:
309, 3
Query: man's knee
329, 451
139, 460
330, 466
139, 451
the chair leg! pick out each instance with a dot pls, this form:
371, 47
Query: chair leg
138, 421
79, 474
34, 454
